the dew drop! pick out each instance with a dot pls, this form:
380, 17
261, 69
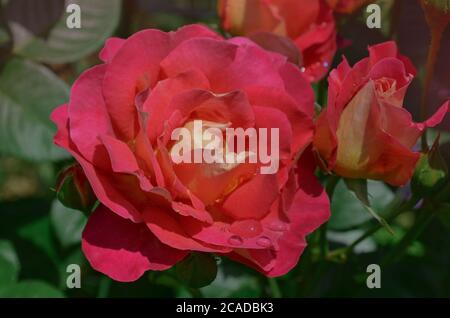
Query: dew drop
235, 240
278, 226
303, 69
246, 228
264, 241
325, 64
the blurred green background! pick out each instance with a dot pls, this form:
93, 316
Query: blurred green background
39, 237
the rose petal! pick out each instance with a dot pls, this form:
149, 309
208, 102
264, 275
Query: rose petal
168, 228
89, 117
124, 250
112, 45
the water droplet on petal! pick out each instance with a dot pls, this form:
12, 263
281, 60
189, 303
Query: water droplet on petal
264, 241
246, 228
303, 69
325, 64
235, 240
278, 226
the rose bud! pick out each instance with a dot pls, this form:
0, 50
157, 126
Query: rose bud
154, 210
308, 23
431, 172
73, 189
365, 132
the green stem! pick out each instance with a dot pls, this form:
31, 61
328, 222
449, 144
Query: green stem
274, 288
321, 92
104, 286
332, 182
195, 292
323, 241
419, 226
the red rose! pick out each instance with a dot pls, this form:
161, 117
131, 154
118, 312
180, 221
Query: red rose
118, 126
365, 132
309, 23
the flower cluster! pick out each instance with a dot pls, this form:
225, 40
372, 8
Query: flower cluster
153, 211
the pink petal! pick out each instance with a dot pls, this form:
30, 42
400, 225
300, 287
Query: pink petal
124, 250
110, 49
169, 229
310, 209
298, 87
299, 119
134, 68
89, 117
253, 199
101, 182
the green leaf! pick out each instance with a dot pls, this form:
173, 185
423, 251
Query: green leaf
197, 270
26, 223
99, 19
359, 188
45, 14
28, 94
348, 210
68, 224
9, 263
348, 237
30, 289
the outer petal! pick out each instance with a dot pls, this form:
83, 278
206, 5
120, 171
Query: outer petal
298, 87
249, 16
395, 165
102, 183
88, 116
357, 134
310, 208
110, 49
124, 250
306, 209
373, 149
318, 44
298, 15
168, 227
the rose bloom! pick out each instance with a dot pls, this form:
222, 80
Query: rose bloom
365, 132
153, 212
347, 6
309, 23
